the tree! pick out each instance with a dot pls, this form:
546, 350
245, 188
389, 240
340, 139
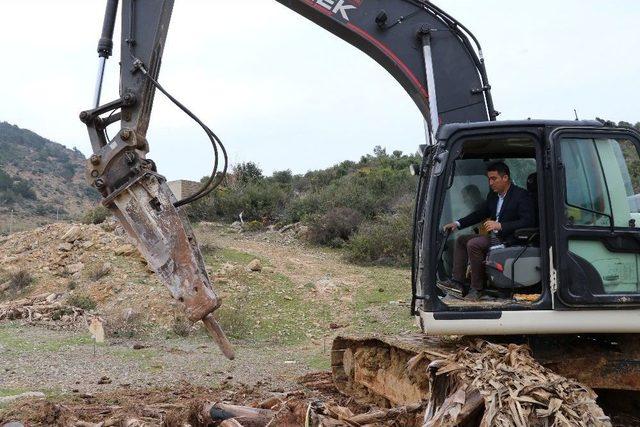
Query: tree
283, 177
379, 151
5, 181
247, 172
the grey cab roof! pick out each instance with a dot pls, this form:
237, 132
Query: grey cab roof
449, 129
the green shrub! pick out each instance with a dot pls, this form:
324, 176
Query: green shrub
11, 190
256, 200
97, 215
333, 202
335, 226
20, 280
234, 321
283, 177
387, 241
84, 302
5, 181
302, 208
24, 189
247, 172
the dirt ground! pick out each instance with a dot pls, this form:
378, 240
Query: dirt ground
181, 405
281, 320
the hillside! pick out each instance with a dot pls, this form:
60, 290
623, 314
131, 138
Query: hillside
39, 179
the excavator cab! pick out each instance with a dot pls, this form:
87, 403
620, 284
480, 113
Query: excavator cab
577, 270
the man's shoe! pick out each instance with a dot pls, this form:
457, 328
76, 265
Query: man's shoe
453, 287
477, 296
474, 295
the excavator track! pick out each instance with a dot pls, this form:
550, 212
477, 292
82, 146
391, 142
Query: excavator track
376, 370
373, 369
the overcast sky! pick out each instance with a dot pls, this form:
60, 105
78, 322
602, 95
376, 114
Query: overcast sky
288, 95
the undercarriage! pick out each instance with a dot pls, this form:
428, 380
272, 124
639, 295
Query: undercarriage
404, 371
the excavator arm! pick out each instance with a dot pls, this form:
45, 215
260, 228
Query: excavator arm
435, 58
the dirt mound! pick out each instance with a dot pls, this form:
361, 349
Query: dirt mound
90, 266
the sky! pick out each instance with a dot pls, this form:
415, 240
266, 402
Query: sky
286, 94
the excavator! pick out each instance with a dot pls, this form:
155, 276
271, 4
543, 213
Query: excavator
569, 287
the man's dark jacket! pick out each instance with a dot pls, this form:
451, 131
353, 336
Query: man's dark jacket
517, 212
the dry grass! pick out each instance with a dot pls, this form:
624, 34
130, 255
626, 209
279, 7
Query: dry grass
20, 280
127, 324
99, 271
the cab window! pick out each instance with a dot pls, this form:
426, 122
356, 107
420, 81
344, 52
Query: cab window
602, 178
602, 186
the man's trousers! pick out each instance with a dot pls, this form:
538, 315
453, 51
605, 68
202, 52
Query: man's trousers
471, 249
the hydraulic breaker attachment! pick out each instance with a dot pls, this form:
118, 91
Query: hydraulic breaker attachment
145, 208
127, 180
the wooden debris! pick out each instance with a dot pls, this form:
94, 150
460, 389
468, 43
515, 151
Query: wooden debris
270, 403
245, 415
514, 388
381, 415
41, 309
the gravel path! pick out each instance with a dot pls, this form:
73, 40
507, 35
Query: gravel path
54, 362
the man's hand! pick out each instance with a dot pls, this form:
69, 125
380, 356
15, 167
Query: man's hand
451, 227
491, 226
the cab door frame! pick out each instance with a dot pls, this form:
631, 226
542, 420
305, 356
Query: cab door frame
572, 270
431, 236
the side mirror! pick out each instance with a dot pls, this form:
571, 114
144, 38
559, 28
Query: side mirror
415, 170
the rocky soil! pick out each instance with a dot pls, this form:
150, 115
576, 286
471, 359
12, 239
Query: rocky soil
282, 304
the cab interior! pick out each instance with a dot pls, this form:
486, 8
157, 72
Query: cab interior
513, 274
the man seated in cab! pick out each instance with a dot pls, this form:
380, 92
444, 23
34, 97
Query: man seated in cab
508, 208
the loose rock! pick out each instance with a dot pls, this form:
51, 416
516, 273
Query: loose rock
75, 268
65, 247
72, 234
255, 265
104, 380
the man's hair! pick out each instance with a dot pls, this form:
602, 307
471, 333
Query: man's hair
499, 167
